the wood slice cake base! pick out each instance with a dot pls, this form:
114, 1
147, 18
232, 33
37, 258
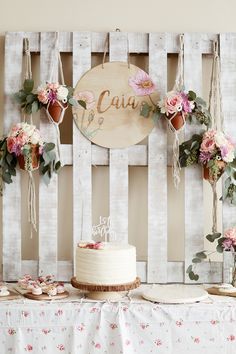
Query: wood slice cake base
46, 297
11, 296
216, 291
105, 292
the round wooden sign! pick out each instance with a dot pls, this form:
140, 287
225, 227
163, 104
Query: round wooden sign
112, 116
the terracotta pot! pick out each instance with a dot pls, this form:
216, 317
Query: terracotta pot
206, 172
34, 159
178, 120
55, 110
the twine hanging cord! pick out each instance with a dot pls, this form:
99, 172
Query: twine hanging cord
179, 85
215, 96
62, 80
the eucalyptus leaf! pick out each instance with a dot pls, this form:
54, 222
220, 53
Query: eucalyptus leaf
82, 103
48, 147
28, 85
189, 269
196, 260
201, 255
145, 109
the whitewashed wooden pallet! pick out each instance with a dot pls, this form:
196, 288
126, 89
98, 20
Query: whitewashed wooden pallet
82, 155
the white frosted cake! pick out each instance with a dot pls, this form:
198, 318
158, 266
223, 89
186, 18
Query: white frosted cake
105, 264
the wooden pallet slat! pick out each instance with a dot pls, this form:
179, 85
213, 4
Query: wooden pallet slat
157, 169
194, 220
228, 89
82, 170
48, 195
119, 157
11, 213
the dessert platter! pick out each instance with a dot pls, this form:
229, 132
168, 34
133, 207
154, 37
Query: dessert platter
105, 270
7, 294
42, 288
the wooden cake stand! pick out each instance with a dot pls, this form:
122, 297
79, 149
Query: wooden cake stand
105, 292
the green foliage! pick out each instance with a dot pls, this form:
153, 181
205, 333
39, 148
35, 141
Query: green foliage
145, 109
189, 151
48, 163
213, 237
7, 164
27, 99
229, 190
200, 113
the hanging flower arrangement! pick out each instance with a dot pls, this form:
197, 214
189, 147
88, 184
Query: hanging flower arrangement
225, 242
213, 150
25, 146
48, 94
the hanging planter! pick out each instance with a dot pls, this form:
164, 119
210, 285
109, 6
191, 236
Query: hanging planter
220, 166
177, 121
29, 160
25, 147
56, 111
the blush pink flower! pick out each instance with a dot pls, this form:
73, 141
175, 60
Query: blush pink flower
171, 103
87, 97
11, 144
142, 83
61, 347
208, 145
231, 235
29, 348
43, 96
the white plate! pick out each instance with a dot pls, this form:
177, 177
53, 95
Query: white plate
175, 293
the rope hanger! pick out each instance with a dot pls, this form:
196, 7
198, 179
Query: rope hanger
106, 48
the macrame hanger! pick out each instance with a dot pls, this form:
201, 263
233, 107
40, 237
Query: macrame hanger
179, 81
57, 64
215, 96
178, 86
28, 69
215, 108
106, 49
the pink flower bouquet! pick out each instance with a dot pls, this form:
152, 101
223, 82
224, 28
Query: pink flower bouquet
24, 145
213, 150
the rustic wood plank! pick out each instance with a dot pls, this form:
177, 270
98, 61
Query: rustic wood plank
194, 220
138, 42
82, 170
48, 195
119, 157
157, 169
11, 212
228, 89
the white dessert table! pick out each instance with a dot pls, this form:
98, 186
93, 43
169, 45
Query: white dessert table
79, 326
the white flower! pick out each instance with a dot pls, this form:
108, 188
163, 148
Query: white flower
28, 128
220, 139
229, 157
35, 138
62, 93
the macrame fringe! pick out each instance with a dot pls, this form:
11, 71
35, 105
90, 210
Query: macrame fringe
214, 207
32, 203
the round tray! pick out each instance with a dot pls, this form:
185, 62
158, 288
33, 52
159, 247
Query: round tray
44, 297
105, 288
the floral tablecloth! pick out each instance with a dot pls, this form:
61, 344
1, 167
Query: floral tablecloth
80, 326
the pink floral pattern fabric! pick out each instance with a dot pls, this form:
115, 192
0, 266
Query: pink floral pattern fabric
129, 327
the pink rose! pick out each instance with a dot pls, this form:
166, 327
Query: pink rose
43, 96
208, 145
11, 144
231, 234
171, 103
